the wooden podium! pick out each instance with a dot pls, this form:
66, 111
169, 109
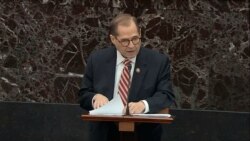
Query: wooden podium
126, 123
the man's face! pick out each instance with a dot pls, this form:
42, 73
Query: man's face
128, 41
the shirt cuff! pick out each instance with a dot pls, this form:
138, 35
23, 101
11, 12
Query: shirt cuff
146, 106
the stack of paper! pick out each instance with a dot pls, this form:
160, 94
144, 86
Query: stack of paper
114, 107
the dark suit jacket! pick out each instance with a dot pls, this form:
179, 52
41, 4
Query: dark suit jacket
152, 83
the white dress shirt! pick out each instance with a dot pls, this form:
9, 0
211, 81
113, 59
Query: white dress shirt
118, 72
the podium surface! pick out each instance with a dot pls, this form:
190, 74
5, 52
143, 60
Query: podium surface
128, 118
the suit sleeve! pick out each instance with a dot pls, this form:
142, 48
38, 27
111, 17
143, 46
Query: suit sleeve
86, 92
163, 96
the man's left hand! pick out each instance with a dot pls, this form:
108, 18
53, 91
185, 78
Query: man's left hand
136, 107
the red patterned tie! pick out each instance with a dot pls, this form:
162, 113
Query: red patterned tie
124, 82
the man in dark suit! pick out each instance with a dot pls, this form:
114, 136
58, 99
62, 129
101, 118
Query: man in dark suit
149, 76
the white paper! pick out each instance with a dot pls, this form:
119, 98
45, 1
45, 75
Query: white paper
153, 115
113, 107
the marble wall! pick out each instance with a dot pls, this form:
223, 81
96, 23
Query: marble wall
44, 45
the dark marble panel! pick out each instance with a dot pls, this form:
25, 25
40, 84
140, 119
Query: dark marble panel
192, 125
215, 5
61, 122
44, 46
41, 122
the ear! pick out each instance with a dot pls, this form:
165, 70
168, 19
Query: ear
112, 38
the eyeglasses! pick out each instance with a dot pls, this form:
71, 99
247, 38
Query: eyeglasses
125, 42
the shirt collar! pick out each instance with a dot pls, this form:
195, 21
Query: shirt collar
120, 58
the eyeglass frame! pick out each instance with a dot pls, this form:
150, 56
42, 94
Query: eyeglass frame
130, 40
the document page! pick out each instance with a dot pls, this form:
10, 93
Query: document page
114, 107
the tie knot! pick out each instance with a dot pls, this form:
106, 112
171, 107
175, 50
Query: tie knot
126, 62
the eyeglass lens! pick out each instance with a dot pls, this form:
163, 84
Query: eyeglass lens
135, 41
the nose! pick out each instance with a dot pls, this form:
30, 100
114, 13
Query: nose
131, 45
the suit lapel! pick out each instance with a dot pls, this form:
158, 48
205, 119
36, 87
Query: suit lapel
140, 71
110, 72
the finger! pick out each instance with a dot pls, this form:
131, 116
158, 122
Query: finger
131, 109
97, 104
137, 111
130, 104
103, 102
100, 104
135, 108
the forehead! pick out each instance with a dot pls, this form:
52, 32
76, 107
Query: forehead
127, 30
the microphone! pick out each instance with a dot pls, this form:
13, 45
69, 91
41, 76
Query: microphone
129, 84
129, 67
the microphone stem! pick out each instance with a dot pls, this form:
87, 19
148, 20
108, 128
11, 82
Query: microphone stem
127, 109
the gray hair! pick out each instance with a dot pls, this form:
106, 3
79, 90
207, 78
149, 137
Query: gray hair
122, 19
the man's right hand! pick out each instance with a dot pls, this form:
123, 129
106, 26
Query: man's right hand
99, 100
